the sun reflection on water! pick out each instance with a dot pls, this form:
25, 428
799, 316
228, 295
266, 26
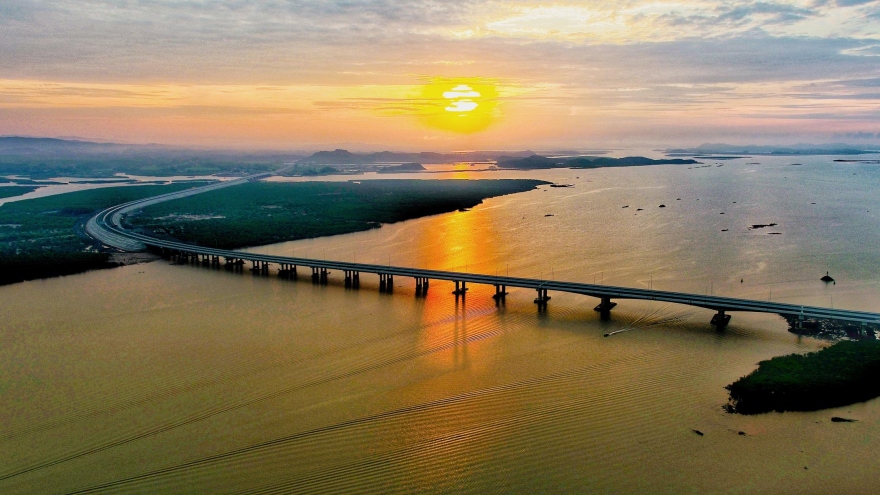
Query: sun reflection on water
464, 241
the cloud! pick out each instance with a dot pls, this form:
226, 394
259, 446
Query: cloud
850, 3
224, 56
863, 51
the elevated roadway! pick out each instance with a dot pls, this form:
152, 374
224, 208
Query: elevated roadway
108, 228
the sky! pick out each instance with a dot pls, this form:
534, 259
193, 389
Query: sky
441, 74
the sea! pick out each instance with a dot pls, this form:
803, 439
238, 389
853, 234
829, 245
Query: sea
169, 378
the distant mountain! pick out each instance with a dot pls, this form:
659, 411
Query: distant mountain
69, 148
543, 162
791, 150
30, 145
41, 158
345, 157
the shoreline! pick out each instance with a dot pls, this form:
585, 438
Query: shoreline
95, 256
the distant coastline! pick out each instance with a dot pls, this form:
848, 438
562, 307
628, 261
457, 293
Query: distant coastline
537, 162
347, 163
794, 150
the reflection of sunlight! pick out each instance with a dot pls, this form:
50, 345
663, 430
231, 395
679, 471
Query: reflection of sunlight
457, 241
462, 170
460, 241
463, 105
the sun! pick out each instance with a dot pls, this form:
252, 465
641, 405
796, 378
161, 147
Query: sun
464, 105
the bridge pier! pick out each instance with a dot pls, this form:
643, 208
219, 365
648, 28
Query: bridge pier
720, 320
422, 286
460, 288
605, 306
500, 293
215, 261
284, 270
386, 283
542, 298
319, 275
352, 279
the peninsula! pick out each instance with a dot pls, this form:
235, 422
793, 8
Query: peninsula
261, 213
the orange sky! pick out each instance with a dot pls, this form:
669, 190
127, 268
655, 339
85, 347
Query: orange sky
372, 75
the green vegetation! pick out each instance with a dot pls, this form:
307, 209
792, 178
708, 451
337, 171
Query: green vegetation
43, 237
11, 191
264, 213
842, 374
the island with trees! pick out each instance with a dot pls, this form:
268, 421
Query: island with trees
842, 374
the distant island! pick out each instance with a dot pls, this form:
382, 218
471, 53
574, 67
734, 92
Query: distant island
842, 374
402, 168
793, 150
542, 162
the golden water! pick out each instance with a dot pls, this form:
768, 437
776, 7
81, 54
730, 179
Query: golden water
180, 379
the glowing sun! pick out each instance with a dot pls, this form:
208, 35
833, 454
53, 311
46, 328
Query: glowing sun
459, 105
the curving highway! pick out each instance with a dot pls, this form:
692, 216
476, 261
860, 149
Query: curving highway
107, 228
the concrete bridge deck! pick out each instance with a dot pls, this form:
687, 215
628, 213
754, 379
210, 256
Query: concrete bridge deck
107, 228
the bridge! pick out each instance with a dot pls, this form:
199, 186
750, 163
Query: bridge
107, 228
